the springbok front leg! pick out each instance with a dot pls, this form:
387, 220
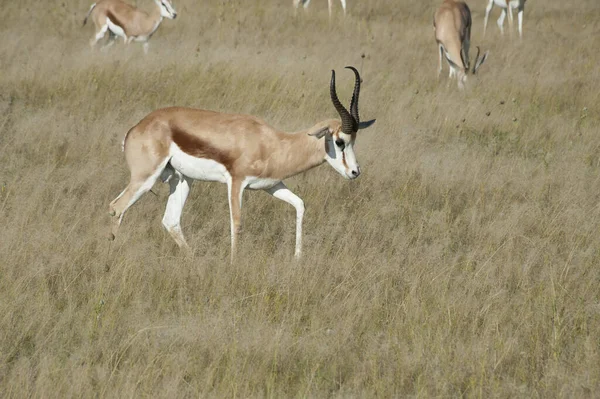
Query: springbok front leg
235, 190
111, 40
520, 17
488, 9
179, 190
440, 60
500, 21
510, 17
283, 193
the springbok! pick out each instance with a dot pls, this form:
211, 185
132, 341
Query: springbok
305, 4
185, 144
126, 21
505, 5
452, 27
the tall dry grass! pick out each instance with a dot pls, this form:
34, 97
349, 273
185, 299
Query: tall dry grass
464, 261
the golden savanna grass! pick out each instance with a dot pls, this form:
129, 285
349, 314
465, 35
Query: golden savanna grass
465, 261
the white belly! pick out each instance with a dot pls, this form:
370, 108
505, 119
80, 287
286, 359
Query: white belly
259, 183
197, 168
502, 3
140, 39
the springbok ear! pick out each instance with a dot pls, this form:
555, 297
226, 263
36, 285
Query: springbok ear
320, 133
365, 124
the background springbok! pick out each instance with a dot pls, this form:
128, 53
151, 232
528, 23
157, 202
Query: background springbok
305, 4
126, 21
452, 27
518, 4
184, 144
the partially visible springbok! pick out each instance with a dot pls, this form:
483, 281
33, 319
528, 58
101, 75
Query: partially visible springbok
517, 4
181, 145
305, 4
452, 27
132, 24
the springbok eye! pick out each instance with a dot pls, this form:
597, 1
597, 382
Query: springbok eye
341, 144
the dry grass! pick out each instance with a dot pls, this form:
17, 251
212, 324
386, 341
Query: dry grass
464, 262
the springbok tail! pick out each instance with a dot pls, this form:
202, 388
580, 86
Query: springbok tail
125, 139
88, 14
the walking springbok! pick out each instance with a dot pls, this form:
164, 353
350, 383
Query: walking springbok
185, 144
452, 27
126, 21
305, 4
518, 4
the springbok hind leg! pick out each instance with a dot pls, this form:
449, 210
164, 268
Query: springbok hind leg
111, 40
343, 6
180, 188
141, 182
520, 17
98, 35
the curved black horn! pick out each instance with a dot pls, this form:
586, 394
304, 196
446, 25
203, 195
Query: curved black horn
476, 59
354, 102
348, 125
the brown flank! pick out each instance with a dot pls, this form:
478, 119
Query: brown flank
115, 20
199, 148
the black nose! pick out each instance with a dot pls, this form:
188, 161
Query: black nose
174, 16
355, 173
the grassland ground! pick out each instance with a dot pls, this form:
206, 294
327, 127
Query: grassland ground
465, 261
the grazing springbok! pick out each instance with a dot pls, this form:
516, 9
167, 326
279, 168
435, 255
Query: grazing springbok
452, 27
305, 4
185, 144
126, 21
506, 6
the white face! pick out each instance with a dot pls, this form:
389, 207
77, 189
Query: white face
460, 74
166, 9
340, 154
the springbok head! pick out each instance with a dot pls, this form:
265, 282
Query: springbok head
166, 9
478, 62
340, 138
462, 73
